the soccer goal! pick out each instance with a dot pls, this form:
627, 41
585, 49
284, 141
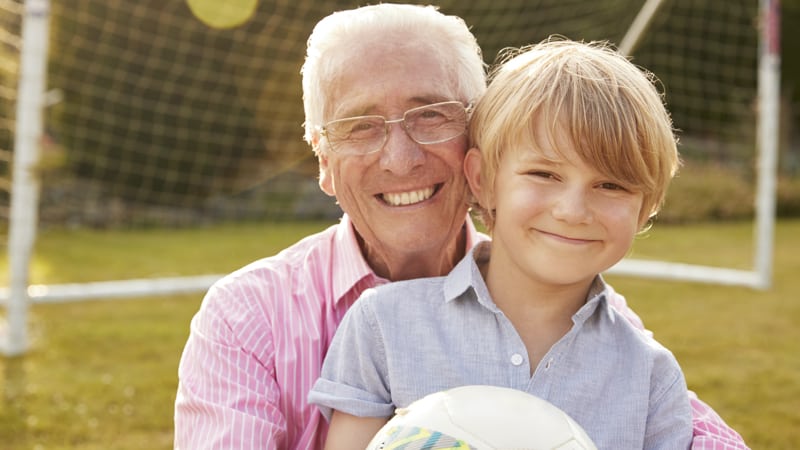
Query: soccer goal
124, 114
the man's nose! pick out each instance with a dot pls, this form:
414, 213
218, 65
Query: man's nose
400, 154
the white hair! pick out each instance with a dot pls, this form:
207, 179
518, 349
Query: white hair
333, 38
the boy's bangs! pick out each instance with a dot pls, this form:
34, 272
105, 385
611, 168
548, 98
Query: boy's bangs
605, 132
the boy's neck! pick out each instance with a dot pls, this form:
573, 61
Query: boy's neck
541, 314
537, 301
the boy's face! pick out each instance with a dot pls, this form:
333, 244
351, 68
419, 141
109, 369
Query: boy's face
558, 221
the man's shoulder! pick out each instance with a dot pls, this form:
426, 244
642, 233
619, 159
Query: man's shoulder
276, 276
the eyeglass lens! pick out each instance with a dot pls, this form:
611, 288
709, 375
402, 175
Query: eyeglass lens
429, 124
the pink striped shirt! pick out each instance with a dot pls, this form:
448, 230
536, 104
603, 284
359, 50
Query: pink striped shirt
257, 344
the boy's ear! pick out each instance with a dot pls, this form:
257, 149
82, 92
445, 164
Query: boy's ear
472, 171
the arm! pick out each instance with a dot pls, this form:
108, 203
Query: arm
710, 431
350, 432
227, 396
353, 382
669, 417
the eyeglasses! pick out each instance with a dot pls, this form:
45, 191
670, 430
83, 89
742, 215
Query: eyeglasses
429, 124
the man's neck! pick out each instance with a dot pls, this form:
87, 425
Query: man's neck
397, 264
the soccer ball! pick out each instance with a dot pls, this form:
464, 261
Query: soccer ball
484, 418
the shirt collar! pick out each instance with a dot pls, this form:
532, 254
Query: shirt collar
597, 299
467, 275
349, 266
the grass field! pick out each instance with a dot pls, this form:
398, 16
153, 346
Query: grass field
102, 374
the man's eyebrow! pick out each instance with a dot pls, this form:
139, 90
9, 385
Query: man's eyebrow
354, 111
429, 99
370, 108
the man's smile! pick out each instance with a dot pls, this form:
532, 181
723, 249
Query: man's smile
409, 197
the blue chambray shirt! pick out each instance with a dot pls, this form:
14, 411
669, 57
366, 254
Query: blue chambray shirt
404, 340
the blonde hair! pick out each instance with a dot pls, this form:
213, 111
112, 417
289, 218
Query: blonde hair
609, 108
333, 39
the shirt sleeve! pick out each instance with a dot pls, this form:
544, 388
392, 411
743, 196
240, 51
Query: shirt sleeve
710, 431
669, 420
354, 374
227, 396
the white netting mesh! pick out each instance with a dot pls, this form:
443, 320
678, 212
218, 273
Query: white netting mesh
10, 19
164, 120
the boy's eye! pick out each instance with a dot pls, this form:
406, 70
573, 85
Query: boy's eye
541, 174
612, 186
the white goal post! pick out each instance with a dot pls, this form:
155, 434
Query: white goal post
29, 128
23, 218
760, 277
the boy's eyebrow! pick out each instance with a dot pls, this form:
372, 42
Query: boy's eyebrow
537, 157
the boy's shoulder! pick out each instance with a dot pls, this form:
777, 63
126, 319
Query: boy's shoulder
415, 290
388, 307
432, 290
635, 340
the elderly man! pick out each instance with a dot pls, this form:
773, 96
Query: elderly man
257, 344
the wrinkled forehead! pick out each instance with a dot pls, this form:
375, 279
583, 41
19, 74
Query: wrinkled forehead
388, 75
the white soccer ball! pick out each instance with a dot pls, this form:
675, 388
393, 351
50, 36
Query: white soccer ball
484, 418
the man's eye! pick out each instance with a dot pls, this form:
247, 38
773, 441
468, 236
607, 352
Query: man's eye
430, 114
348, 129
361, 126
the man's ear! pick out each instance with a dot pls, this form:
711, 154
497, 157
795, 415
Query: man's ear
325, 176
472, 171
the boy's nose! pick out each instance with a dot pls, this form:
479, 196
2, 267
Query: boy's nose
573, 207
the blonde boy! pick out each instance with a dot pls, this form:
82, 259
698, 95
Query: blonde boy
586, 97
572, 154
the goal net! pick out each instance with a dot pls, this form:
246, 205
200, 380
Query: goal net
168, 114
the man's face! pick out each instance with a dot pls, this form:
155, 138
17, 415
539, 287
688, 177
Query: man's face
405, 199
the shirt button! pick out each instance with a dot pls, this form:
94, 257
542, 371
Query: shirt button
516, 359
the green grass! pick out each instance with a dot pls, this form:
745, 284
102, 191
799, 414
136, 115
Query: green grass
102, 374
739, 348
68, 256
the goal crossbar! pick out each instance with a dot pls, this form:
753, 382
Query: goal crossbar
148, 287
